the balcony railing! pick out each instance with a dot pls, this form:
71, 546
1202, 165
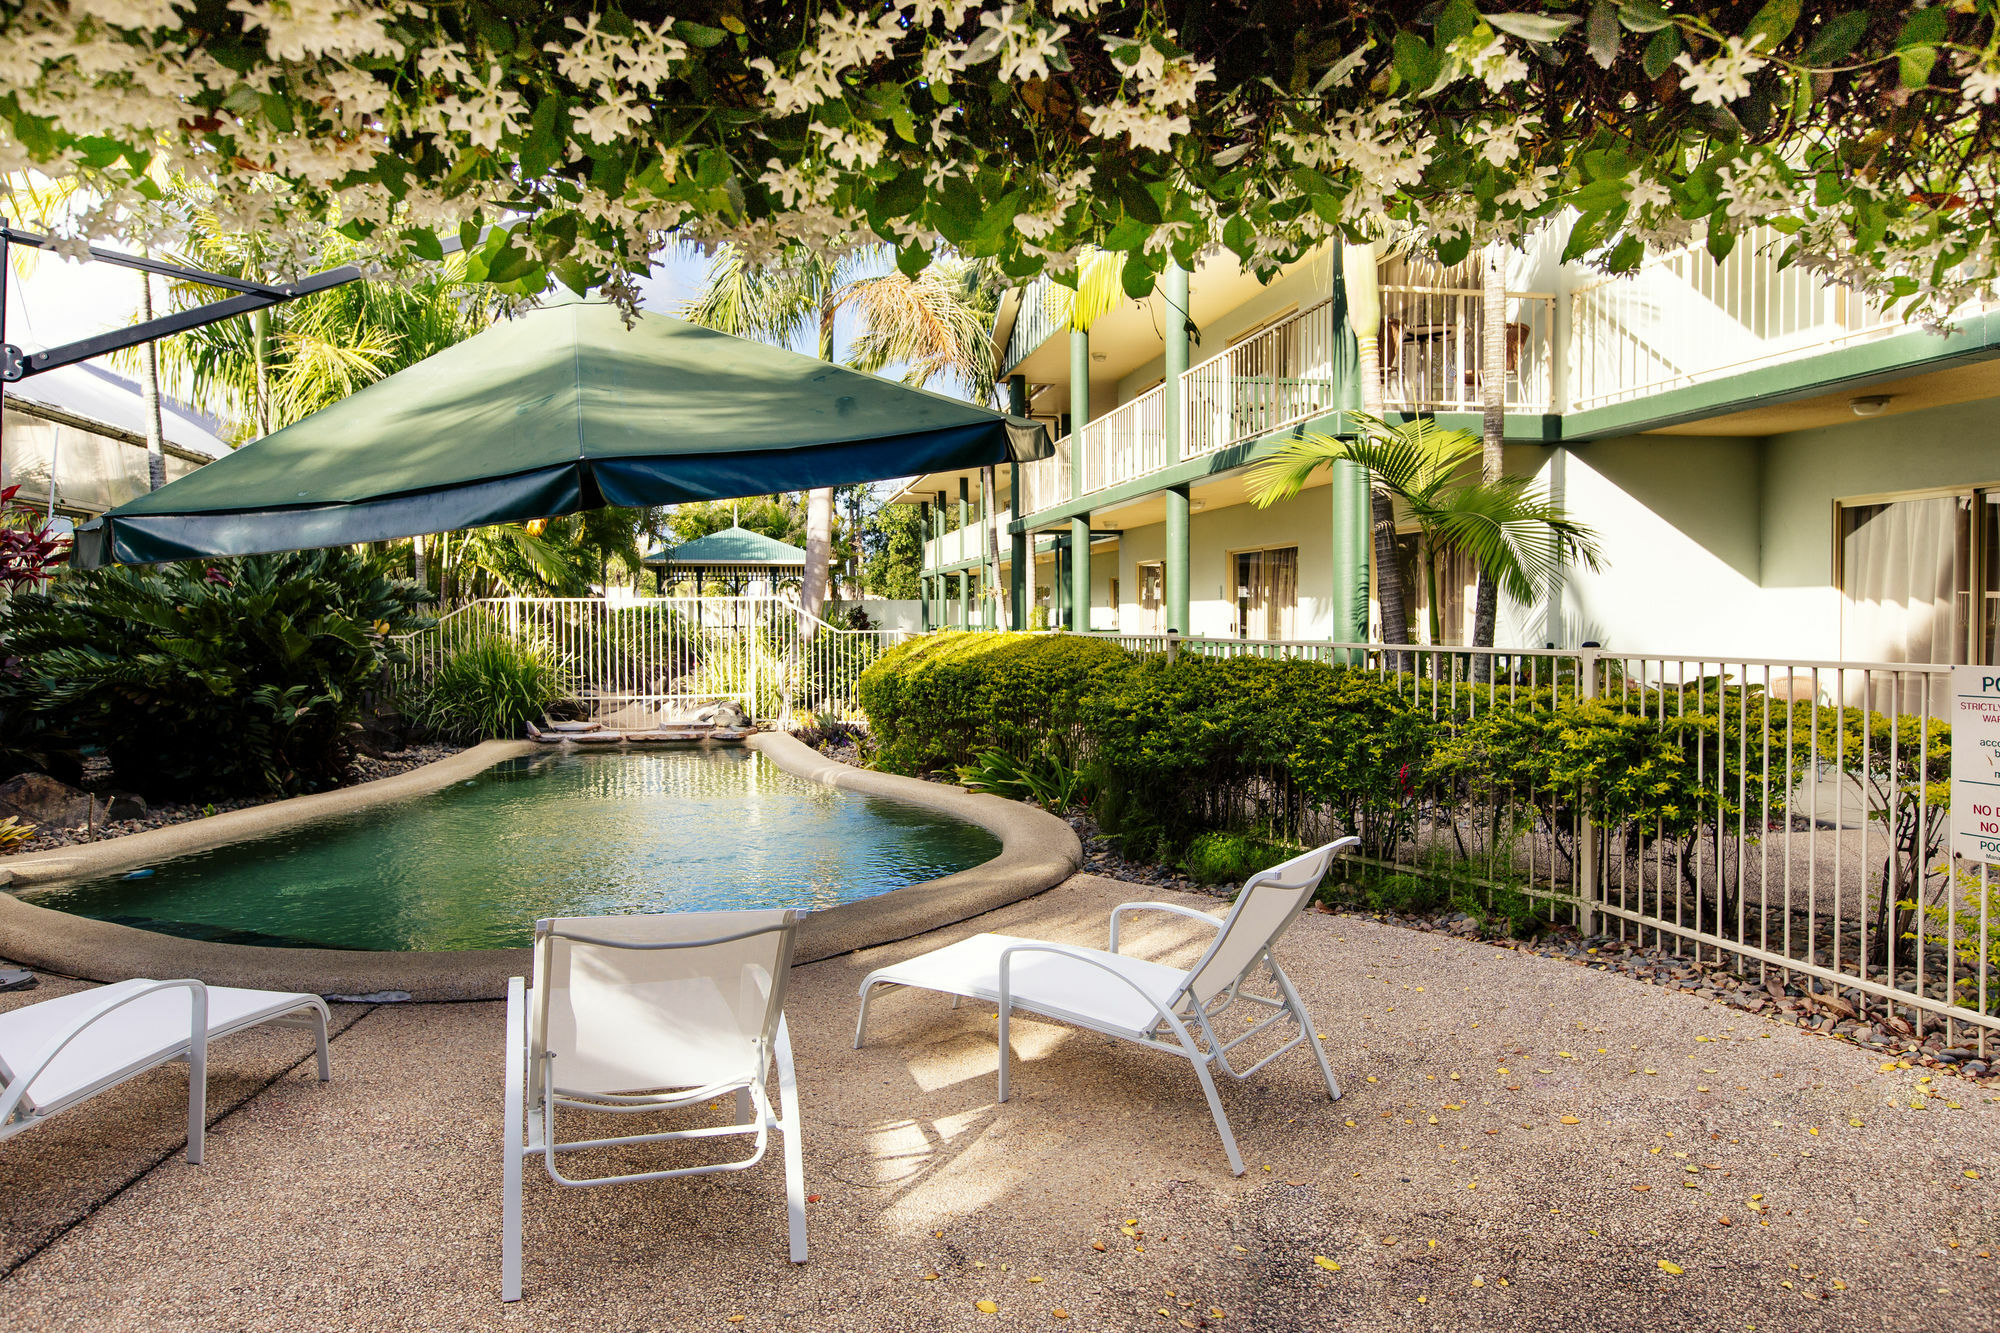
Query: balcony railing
1684, 319
1045, 483
1276, 378
1126, 443
1035, 322
1432, 350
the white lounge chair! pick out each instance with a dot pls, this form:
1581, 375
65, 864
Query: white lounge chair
60, 1052
650, 1012
1159, 1007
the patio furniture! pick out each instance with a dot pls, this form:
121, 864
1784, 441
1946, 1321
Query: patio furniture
1159, 1007
650, 1012
60, 1052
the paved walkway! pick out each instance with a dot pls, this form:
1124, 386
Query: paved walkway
1523, 1145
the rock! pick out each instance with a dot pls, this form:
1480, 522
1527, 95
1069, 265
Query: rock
125, 805
1976, 1068
37, 798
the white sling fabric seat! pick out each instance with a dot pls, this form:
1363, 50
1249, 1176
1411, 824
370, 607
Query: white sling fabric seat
650, 1012
1164, 1008
60, 1052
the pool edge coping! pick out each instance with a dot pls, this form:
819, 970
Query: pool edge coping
1038, 851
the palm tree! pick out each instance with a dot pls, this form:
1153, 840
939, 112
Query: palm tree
1358, 274
1493, 333
1516, 535
930, 323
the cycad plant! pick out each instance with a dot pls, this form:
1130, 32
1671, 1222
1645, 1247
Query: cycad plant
1517, 535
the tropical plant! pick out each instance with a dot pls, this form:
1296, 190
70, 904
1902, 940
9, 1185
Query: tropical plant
1515, 534
936, 324
13, 832
489, 689
1043, 777
230, 678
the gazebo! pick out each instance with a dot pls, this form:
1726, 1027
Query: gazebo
736, 556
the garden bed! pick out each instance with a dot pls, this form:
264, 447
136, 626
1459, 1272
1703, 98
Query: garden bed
97, 777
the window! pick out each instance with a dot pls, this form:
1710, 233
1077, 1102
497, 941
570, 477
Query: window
1267, 592
1458, 591
1920, 578
1152, 598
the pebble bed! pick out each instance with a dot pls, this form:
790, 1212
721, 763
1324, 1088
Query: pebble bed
97, 776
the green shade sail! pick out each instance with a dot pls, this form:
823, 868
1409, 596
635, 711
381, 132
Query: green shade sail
730, 547
561, 410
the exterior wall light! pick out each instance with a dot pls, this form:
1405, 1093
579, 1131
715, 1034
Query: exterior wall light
1872, 406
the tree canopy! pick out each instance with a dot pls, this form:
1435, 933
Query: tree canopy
589, 135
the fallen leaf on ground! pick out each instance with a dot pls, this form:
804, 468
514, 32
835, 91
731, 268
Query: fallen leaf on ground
1641, 1189
1326, 1263
987, 1307
1059, 1313
1571, 1120
1668, 1266
1097, 1245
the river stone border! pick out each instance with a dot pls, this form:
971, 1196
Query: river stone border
1037, 852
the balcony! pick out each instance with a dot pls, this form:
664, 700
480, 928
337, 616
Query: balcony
1684, 319
1289, 373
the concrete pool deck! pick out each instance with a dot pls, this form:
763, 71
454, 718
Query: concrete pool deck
1037, 850
373, 1202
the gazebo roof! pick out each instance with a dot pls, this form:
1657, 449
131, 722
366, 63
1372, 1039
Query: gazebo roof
733, 546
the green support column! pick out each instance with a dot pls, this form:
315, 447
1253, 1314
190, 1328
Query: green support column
964, 598
1176, 572
1352, 514
1020, 545
923, 580
1177, 559
1079, 526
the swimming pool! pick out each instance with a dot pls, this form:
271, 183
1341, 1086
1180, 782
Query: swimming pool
558, 834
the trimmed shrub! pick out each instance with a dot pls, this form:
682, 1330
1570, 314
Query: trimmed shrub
1250, 743
230, 678
1217, 857
489, 690
937, 701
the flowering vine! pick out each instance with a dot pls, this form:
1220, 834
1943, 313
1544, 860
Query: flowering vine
582, 137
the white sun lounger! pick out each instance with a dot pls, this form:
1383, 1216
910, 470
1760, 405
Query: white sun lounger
650, 1012
60, 1052
1159, 1007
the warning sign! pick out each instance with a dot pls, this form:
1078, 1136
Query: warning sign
1975, 763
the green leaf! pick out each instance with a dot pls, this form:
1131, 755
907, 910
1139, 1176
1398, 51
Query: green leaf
1604, 33
1137, 276
278, 110
1138, 203
1644, 15
1459, 18
1720, 242
1533, 27
1626, 256
1415, 63
1925, 27
546, 133
1774, 22
1453, 249
697, 34
1660, 52
1835, 40
912, 260
423, 242
1914, 65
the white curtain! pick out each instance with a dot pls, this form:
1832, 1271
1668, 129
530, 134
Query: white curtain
1906, 580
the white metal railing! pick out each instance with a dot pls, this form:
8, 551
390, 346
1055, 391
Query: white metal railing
966, 543
1045, 483
1127, 442
650, 657
1276, 378
1432, 350
1683, 318
1817, 859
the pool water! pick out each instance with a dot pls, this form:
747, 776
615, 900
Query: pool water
559, 834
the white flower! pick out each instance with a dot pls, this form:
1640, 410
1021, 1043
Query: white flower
1142, 126
1529, 189
607, 121
1724, 76
1982, 81
134, 14
854, 147
1500, 143
1489, 60
1756, 189
1648, 194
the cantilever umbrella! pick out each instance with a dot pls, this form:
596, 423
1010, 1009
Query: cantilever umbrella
563, 409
